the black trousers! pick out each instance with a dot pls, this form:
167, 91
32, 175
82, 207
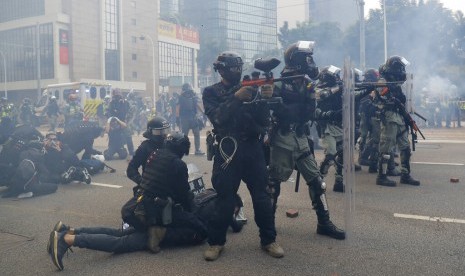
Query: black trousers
186, 229
248, 165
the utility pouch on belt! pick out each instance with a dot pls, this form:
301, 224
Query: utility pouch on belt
211, 145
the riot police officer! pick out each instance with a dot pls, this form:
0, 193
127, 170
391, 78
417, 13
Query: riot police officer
329, 97
289, 144
393, 128
239, 155
157, 129
163, 209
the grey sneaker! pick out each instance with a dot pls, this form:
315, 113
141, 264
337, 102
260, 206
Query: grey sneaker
213, 252
274, 250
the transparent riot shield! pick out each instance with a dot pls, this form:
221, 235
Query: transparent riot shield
348, 123
408, 90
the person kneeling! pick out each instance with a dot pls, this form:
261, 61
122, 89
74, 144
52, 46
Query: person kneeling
159, 215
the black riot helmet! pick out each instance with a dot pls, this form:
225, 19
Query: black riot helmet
394, 69
329, 76
229, 65
157, 130
298, 58
178, 143
371, 75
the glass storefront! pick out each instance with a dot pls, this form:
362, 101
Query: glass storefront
20, 53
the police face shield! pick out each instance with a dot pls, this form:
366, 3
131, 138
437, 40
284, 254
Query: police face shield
306, 46
160, 131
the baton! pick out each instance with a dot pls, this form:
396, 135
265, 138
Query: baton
297, 182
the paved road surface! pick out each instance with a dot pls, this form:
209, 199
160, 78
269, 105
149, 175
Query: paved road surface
396, 231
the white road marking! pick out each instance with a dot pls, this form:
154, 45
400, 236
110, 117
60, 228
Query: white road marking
438, 163
427, 218
445, 141
106, 185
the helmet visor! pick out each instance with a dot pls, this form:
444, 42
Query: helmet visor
306, 46
404, 61
160, 131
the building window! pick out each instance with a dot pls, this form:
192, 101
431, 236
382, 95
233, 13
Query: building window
20, 52
133, 21
175, 62
134, 75
134, 39
134, 57
14, 9
112, 52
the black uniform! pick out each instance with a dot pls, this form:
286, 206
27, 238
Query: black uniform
80, 135
238, 127
140, 159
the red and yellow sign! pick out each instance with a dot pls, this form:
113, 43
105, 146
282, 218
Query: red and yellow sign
168, 29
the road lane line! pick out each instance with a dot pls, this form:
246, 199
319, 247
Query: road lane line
428, 218
444, 141
106, 185
439, 163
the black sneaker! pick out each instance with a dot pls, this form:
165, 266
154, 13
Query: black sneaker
86, 176
330, 230
59, 227
58, 248
67, 177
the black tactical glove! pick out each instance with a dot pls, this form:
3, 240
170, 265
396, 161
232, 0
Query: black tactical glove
332, 115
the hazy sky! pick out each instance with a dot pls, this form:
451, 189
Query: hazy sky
293, 10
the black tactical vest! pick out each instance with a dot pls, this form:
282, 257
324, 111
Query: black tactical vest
155, 177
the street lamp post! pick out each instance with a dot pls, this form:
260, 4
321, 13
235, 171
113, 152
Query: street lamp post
385, 30
154, 93
4, 72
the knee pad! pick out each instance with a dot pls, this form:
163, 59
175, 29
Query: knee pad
317, 186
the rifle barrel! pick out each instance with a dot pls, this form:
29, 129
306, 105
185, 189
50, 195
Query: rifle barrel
420, 116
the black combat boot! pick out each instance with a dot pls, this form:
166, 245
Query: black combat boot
373, 168
325, 226
338, 185
327, 162
405, 178
382, 179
